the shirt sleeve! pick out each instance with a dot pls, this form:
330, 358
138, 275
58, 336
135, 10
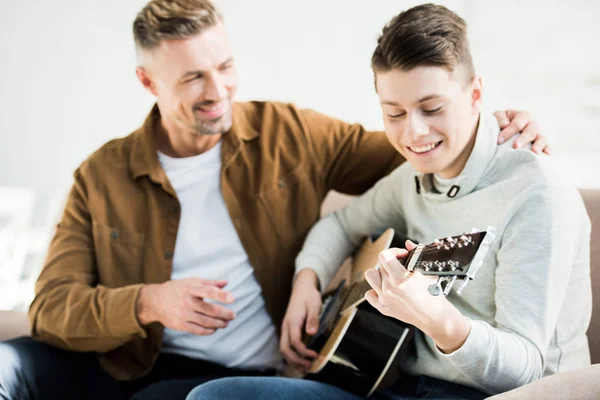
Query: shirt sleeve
70, 310
333, 238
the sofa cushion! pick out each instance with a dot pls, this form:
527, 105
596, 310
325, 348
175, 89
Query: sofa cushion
578, 384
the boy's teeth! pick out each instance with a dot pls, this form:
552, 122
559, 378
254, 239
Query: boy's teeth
423, 149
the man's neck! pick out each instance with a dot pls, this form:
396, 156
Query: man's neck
179, 144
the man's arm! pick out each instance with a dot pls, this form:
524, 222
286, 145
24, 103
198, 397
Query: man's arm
70, 309
74, 311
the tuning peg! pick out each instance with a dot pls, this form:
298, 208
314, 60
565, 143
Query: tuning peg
453, 265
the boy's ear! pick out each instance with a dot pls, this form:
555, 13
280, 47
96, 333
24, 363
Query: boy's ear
476, 94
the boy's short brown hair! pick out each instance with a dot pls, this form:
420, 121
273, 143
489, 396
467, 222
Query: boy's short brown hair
425, 35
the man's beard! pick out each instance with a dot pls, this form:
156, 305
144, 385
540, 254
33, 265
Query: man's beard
216, 126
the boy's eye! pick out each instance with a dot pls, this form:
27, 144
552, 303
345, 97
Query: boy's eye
433, 111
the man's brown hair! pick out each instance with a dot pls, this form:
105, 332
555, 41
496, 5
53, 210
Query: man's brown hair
425, 35
172, 19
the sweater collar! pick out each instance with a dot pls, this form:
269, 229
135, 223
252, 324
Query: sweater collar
436, 188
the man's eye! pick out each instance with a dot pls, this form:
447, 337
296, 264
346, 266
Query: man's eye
433, 111
195, 78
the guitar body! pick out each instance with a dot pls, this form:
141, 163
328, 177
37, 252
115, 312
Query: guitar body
365, 357
358, 348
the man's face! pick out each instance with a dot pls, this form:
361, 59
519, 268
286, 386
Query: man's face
194, 81
430, 116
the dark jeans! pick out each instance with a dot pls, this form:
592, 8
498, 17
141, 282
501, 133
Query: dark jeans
33, 370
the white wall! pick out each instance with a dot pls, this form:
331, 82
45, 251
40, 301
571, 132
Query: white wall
68, 83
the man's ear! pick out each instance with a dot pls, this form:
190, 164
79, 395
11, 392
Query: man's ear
145, 79
476, 94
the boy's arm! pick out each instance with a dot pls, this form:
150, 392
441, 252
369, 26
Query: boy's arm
535, 264
329, 242
541, 243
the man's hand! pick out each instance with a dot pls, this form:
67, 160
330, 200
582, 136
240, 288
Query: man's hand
180, 305
302, 313
512, 122
404, 296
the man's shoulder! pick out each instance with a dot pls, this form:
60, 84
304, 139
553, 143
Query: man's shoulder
113, 155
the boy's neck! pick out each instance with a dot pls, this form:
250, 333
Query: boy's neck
463, 157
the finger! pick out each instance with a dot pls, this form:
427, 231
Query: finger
539, 144
502, 118
529, 134
373, 277
409, 245
548, 150
312, 317
517, 124
212, 310
295, 334
197, 329
375, 301
205, 321
220, 283
395, 270
213, 293
288, 353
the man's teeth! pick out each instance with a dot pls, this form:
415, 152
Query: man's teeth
213, 108
423, 149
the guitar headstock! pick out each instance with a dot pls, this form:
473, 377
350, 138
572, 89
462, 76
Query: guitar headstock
451, 258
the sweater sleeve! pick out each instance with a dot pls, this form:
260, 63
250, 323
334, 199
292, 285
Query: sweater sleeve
334, 237
535, 263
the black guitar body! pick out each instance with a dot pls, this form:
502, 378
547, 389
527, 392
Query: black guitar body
366, 358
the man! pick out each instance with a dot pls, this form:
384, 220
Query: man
173, 261
527, 312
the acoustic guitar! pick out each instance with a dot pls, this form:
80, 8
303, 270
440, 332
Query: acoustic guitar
358, 347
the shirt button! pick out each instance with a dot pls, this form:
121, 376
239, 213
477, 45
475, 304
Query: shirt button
168, 255
114, 234
281, 184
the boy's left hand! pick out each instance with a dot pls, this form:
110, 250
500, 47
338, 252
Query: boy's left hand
404, 296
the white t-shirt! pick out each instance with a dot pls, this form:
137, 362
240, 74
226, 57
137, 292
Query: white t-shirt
207, 246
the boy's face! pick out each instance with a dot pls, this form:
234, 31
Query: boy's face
430, 116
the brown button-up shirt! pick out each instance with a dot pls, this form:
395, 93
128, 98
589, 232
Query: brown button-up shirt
120, 222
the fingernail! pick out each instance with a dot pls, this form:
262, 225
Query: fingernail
388, 256
229, 298
517, 145
501, 140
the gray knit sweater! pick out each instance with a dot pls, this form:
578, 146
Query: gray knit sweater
530, 304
